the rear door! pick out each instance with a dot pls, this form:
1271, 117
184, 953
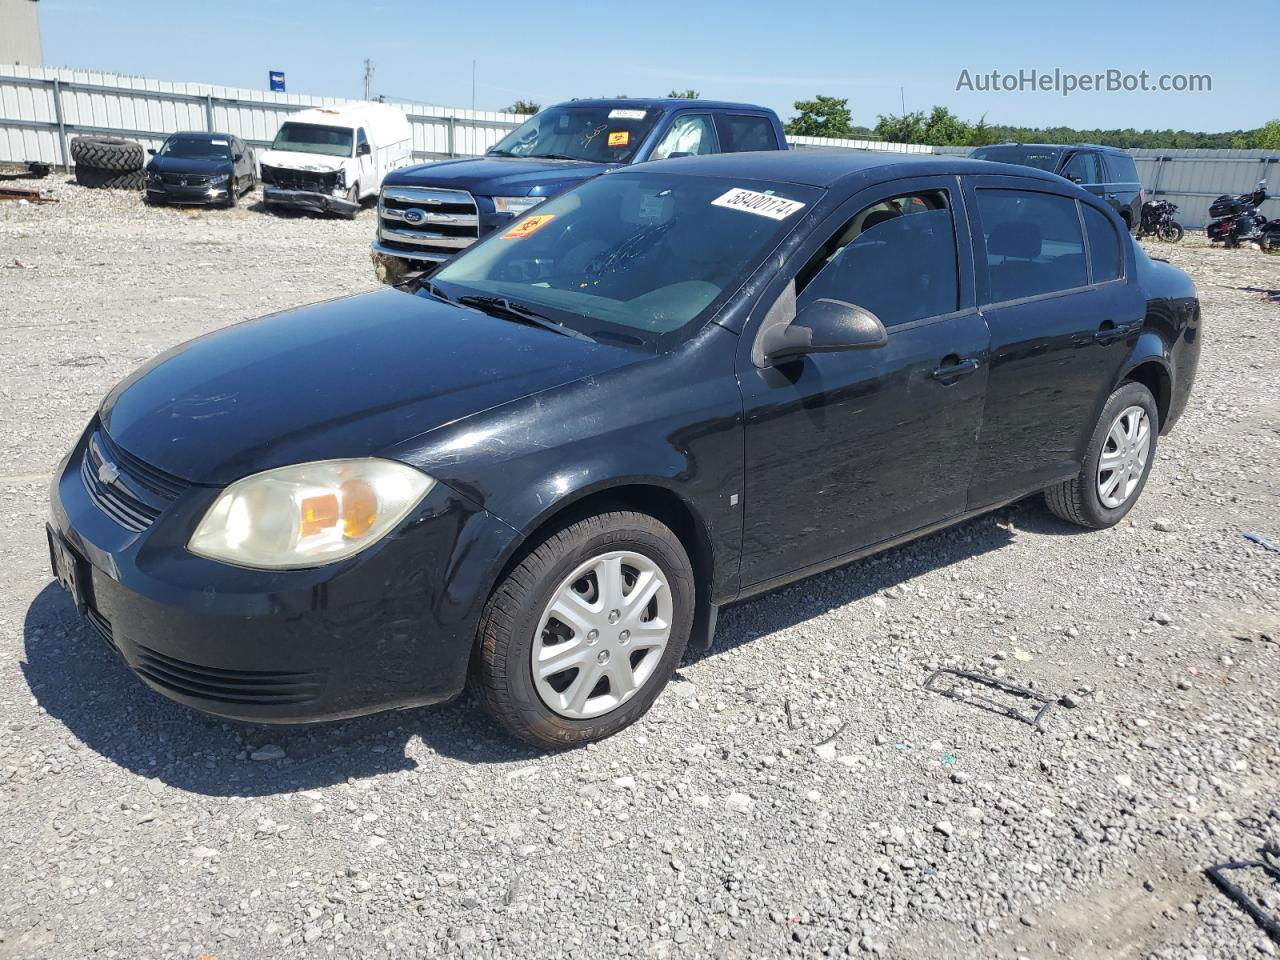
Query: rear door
1054, 285
846, 450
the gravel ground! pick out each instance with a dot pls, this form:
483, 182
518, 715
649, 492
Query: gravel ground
795, 792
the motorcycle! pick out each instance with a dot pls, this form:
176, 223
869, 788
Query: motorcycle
1236, 220
1157, 221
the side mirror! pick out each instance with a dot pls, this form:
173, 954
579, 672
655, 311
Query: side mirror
151, 150
364, 149
238, 157
824, 326
1073, 178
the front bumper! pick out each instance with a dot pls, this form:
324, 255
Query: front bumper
309, 200
392, 627
170, 193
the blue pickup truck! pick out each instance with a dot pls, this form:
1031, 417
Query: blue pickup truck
429, 212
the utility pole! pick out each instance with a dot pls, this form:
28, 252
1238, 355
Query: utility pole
473, 85
368, 76
902, 92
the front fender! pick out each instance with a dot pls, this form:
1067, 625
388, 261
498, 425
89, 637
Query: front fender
671, 422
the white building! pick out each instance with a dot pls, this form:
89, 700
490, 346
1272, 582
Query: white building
20, 33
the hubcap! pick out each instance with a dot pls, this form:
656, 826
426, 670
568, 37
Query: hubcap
602, 635
1124, 456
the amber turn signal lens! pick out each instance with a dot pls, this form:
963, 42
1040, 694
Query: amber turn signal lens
359, 508
318, 513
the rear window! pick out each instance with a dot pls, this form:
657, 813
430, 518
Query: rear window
1041, 158
1122, 167
740, 133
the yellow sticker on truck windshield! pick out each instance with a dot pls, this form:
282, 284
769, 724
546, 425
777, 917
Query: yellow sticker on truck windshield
619, 138
528, 225
761, 204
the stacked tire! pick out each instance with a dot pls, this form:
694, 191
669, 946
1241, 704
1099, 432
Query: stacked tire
109, 162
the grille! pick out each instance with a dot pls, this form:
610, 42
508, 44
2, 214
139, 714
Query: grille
185, 179
226, 686
427, 223
136, 495
101, 625
308, 180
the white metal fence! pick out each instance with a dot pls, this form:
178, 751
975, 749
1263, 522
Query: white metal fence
41, 109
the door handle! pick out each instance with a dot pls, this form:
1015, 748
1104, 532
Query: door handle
1110, 332
954, 371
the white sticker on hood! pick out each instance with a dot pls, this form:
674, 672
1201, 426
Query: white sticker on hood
761, 204
626, 114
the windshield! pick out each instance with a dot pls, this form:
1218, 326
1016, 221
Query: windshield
1042, 158
314, 138
196, 148
600, 134
636, 259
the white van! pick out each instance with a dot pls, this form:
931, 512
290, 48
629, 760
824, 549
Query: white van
331, 158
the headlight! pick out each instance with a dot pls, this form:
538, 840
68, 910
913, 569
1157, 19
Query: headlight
220, 178
308, 514
515, 205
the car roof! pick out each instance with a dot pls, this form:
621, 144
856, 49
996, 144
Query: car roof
201, 135
820, 167
662, 103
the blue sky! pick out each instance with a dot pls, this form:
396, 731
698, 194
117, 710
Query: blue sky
774, 53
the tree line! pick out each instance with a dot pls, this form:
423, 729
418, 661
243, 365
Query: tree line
830, 117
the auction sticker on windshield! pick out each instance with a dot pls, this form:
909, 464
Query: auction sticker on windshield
528, 226
761, 204
619, 138
626, 114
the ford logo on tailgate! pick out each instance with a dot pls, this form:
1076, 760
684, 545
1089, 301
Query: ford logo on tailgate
415, 216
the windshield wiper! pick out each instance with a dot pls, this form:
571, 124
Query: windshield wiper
557, 156
425, 284
501, 306
499, 153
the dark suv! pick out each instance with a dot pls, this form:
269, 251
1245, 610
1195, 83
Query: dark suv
1107, 172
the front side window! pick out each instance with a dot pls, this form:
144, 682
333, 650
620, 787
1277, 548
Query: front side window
632, 259
1104, 245
196, 148
740, 133
896, 258
314, 138
1083, 168
1033, 243
690, 136
361, 139
595, 133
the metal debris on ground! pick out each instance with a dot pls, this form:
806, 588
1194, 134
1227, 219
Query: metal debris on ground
786, 707
1263, 542
30, 194
1266, 921
957, 692
831, 739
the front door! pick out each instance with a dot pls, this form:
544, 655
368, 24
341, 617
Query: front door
845, 450
1062, 315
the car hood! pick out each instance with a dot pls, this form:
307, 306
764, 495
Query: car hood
498, 176
294, 160
344, 378
189, 165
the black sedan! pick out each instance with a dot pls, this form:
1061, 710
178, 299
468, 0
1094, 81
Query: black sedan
542, 471
216, 168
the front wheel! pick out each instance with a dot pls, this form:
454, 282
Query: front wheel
582, 635
1171, 232
1116, 464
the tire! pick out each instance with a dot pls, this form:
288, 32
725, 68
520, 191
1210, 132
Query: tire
108, 153
1271, 242
110, 179
1171, 232
502, 672
353, 196
233, 193
1079, 500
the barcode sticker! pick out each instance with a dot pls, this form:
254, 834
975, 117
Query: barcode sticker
761, 204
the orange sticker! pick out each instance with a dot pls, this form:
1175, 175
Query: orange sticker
619, 138
527, 226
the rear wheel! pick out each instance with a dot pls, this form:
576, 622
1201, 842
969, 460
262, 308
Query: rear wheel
1171, 232
580, 638
1116, 464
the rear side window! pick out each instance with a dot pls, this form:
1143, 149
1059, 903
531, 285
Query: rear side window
1104, 245
1033, 243
739, 133
1122, 167
895, 257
